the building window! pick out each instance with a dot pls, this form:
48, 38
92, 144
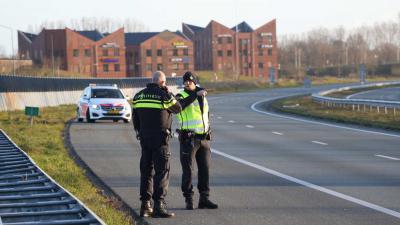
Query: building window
148, 52
105, 68
244, 41
116, 51
245, 65
186, 66
136, 68
270, 39
220, 53
186, 52
117, 67
136, 54
87, 53
229, 53
130, 54
229, 40
260, 65
159, 52
260, 53
159, 66
149, 67
175, 52
75, 52
219, 40
270, 51
105, 52
245, 52
175, 66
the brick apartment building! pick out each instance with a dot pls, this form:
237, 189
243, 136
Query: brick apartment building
239, 49
89, 52
117, 54
147, 52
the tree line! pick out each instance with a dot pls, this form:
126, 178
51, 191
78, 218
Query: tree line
339, 51
103, 25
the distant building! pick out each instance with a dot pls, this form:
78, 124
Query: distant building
239, 49
89, 52
171, 52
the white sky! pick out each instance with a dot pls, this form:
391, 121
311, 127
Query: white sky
157, 15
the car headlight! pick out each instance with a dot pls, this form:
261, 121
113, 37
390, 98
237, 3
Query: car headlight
96, 107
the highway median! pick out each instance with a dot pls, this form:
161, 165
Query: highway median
305, 106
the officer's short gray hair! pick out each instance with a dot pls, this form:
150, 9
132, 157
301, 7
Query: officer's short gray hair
158, 77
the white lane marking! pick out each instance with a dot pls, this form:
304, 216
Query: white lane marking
219, 117
249, 126
231, 121
277, 133
318, 142
310, 185
387, 157
315, 122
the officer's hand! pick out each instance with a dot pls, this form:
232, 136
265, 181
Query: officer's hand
202, 93
165, 88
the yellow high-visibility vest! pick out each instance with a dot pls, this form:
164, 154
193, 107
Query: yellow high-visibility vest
191, 117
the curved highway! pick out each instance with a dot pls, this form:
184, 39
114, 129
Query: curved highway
266, 168
387, 94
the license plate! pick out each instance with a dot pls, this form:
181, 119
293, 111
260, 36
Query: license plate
113, 111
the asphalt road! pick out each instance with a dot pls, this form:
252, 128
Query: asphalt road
387, 94
266, 169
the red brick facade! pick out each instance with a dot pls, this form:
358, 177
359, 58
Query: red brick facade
238, 50
167, 51
248, 52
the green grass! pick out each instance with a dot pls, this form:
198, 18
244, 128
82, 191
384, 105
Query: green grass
44, 143
306, 107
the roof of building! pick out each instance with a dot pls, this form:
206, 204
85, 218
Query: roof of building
243, 27
30, 36
94, 35
194, 28
138, 37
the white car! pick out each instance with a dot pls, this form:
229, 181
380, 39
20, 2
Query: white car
103, 102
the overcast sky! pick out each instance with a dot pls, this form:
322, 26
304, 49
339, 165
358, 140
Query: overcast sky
292, 16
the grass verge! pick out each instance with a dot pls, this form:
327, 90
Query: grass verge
44, 143
304, 106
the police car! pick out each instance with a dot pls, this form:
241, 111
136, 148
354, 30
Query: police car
103, 102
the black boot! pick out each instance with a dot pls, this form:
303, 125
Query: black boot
145, 209
160, 210
205, 203
189, 203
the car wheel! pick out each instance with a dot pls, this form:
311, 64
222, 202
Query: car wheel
126, 121
115, 120
88, 117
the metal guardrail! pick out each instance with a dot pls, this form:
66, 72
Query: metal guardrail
9, 83
320, 97
28, 196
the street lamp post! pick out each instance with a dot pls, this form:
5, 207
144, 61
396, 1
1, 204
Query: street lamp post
12, 46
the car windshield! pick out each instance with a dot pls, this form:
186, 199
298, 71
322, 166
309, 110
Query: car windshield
106, 93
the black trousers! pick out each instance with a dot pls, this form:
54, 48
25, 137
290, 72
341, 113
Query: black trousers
190, 149
155, 158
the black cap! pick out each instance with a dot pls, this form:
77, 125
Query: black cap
189, 76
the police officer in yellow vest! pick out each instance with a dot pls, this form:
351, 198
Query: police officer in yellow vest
152, 108
194, 138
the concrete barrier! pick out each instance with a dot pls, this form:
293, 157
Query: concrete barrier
16, 92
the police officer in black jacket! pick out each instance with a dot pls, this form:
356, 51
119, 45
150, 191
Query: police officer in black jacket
152, 108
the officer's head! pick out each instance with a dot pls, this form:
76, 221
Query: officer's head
159, 78
189, 80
